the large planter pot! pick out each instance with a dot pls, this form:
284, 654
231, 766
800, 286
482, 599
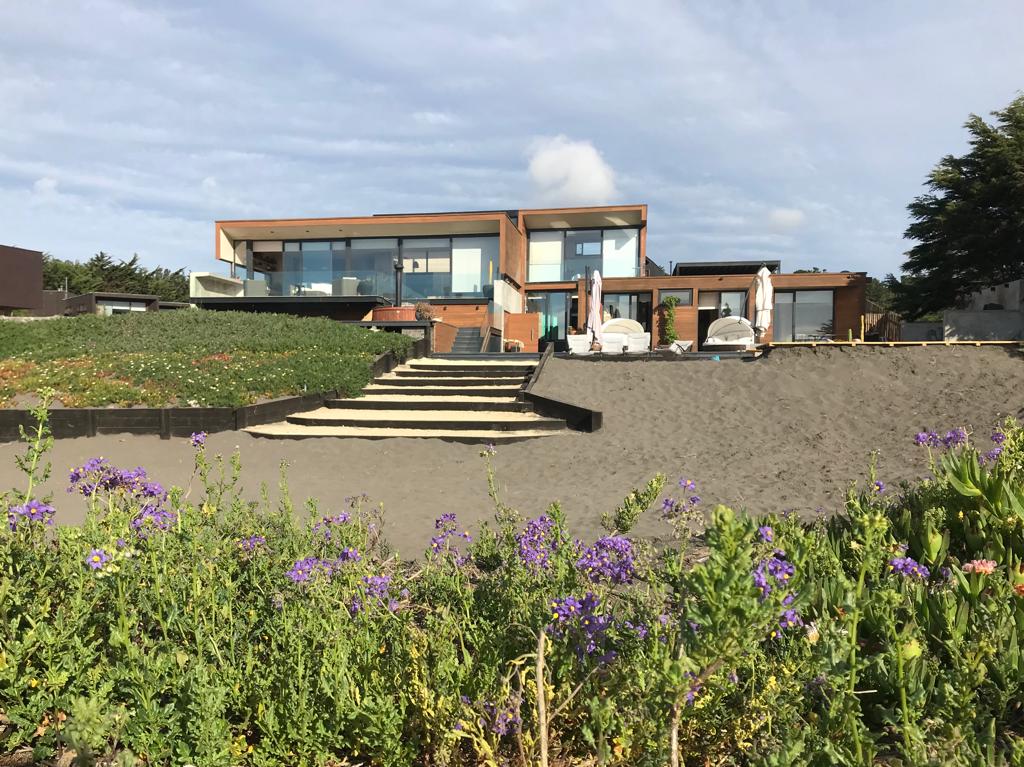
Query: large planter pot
394, 313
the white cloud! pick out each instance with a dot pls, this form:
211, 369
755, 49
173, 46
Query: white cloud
565, 172
434, 119
786, 218
45, 185
106, 140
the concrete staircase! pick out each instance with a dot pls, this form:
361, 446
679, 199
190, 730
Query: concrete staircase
467, 341
464, 398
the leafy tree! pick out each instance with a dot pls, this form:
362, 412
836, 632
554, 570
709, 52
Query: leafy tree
103, 273
970, 224
879, 294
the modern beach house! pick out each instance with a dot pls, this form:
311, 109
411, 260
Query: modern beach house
509, 274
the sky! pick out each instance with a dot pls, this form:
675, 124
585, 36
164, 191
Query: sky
794, 130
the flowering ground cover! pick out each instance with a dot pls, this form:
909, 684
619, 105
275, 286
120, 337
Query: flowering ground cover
191, 626
186, 357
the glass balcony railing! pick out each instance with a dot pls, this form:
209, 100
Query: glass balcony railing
416, 286
314, 284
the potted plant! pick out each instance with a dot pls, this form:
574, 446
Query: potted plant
404, 313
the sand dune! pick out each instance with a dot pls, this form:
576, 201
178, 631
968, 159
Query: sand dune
789, 431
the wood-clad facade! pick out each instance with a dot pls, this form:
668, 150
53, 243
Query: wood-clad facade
489, 269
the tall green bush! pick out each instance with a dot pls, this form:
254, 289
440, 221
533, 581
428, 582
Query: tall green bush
669, 335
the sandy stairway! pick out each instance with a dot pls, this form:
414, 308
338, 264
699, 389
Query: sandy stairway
461, 400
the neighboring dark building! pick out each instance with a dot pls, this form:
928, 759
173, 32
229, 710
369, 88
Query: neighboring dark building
106, 304
21, 278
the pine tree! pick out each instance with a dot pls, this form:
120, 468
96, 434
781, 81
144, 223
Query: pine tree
970, 224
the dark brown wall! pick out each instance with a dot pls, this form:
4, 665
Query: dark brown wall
21, 278
462, 315
444, 337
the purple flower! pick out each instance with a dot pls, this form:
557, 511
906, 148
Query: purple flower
774, 569
580, 621
955, 438
789, 619
695, 688
537, 542
442, 543
324, 525
908, 568
672, 508
153, 518
198, 439
34, 511
253, 542
503, 719
640, 629
377, 585
766, 534
489, 450
97, 559
878, 487
611, 557
305, 569
348, 554
992, 455
998, 437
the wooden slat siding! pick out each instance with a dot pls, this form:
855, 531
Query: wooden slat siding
462, 315
444, 337
512, 254
525, 328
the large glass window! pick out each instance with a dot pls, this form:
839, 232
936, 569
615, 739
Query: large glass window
428, 267
474, 265
733, 304
684, 296
434, 267
545, 257
567, 255
620, 253
559, 311
317, 269
726, 303
372, 265
582, 251
803, 315
633, 306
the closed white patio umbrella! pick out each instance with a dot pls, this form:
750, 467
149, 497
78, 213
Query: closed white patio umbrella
764, 297
595, 315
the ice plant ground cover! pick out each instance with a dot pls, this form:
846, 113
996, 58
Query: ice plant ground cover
186, 357
192, 626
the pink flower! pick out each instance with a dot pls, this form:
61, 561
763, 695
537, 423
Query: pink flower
980, 566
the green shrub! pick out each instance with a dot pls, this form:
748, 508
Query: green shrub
187, 357
669, 335
195, 627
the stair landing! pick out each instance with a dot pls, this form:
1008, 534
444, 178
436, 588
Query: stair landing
451, 398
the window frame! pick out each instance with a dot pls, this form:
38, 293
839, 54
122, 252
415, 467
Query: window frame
666, 292
600, 230
792, 328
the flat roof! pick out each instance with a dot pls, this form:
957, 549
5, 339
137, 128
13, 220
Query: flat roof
118, 296
690, 268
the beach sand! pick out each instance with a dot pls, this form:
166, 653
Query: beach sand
787, 432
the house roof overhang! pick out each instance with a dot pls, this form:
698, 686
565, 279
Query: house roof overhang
584, 218
439, 224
